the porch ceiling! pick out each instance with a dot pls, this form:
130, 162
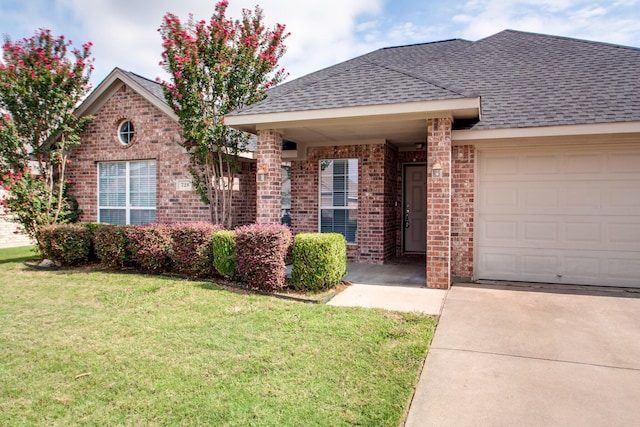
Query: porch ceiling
397, 132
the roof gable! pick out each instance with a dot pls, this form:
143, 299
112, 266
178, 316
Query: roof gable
146, 88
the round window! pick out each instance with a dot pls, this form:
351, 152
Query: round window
125, 132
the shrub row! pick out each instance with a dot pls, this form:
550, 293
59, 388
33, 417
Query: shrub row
254, 254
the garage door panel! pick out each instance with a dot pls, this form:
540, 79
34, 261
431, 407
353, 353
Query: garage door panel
535, 231
560, 216
498, 166
540, 165
622, 268
543, 264
623, 162
501, 231
624, 235
581, 233
588, 165
541, 198
585, 268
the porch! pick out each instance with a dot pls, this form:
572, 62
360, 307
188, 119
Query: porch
398, 285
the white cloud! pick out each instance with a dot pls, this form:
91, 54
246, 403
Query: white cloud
587, 19
124, 32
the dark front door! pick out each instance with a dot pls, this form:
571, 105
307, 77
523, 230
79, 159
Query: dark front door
414, 214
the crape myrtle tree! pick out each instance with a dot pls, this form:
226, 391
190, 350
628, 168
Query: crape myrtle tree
218, 66
42, 80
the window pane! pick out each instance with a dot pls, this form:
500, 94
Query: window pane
285, 213
142, 184
112, 191
112, 184
343, 221
339, 189
139, 216
113, 216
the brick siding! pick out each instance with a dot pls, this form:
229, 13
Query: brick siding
375, 198
156, 138
269, 189
462, 211
439, 204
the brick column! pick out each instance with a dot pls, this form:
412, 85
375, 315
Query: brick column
439, 203
269, 177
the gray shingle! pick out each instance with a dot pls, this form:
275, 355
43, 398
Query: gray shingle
524, 80
154, 88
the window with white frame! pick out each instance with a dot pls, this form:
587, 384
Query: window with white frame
127, 192
339, 197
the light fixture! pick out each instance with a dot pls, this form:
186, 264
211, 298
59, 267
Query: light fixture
419, 145
261, 173
436, 170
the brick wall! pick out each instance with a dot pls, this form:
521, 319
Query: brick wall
462, 176
375, 198
392, 200
156, 137
439, 204
269, 188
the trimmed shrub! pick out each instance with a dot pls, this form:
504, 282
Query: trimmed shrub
111, 245
260, 253
192, 253
319, 261
151, 247
68, 244
224, 258
92, 227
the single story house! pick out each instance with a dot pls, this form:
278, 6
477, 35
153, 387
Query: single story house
515, 157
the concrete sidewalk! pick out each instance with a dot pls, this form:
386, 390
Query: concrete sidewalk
532, 356
398, 287
392, 297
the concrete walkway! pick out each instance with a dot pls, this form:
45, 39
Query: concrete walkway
398, 287
532, 356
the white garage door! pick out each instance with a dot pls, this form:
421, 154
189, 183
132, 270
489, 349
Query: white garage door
560, 216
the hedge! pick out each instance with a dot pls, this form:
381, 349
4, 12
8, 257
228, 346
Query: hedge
151, 247
192, 253
67, 244
223, 246
111, 246
319, 261
260, 253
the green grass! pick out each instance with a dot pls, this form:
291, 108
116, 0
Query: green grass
18, 254
93, 348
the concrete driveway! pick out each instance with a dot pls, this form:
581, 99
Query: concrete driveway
532, 356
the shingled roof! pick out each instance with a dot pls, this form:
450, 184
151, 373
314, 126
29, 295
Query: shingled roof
523, 79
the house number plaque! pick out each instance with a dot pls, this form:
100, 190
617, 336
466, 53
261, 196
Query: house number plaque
184, 185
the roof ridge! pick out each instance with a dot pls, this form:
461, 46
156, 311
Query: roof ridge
425, 43
284, 89
417, 77
142, 77
575, 39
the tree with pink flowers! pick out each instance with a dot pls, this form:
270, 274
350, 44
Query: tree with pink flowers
42, 80
217, 66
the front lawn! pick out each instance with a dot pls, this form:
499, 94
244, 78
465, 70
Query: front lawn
95, 348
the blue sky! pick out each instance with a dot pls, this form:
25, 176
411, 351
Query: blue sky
124, 32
